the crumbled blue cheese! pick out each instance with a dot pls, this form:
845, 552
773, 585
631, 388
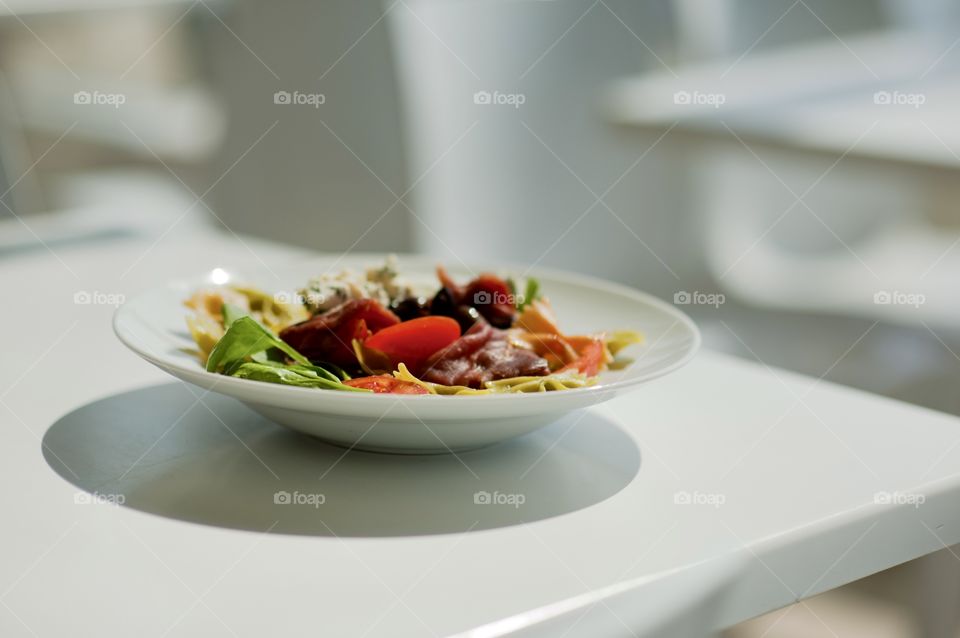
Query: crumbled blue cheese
382, 283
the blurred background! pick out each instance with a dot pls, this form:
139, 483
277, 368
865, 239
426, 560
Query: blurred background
787, 170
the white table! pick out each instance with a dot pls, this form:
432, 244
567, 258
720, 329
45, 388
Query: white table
796, 462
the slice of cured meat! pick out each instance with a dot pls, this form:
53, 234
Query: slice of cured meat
483, 354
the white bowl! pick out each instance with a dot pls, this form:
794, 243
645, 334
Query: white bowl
153, 325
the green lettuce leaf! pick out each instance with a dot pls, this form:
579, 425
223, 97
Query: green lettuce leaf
244, 339
288, 375
530, 295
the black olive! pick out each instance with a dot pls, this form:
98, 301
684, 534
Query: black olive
444, 306
411, 308
497, 317
442, 303
466, 316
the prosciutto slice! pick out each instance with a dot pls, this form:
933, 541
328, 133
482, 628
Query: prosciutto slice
483, 354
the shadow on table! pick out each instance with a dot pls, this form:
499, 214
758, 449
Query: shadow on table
218, 463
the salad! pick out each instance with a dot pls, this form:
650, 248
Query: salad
376, 332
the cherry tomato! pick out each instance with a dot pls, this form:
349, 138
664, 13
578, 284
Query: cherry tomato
412, 342
384, 383
591, 359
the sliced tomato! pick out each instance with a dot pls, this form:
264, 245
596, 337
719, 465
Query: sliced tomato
413, 342
386, 384
591, 359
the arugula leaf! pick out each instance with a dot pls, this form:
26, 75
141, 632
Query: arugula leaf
530, 295
288, 375
336, 370
308, 370
231, 313
247, 338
